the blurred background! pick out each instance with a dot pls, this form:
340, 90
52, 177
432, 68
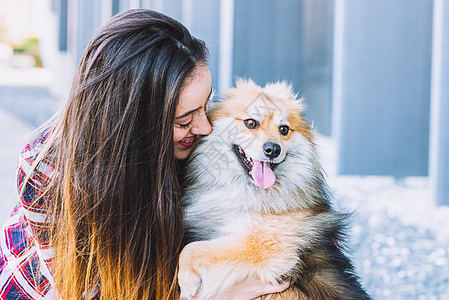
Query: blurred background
375, 78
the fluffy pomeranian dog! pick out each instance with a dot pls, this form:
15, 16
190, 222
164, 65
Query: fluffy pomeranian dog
257, 203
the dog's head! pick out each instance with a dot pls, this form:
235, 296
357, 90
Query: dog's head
259, 135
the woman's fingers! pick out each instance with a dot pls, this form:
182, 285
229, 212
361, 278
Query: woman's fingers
248, 289
276, 288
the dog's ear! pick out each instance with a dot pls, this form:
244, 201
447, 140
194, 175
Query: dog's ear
300, 103
242, 85
285, 91
214, 104
246, 84
281, 89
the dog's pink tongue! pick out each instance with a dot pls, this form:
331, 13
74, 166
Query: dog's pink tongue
262, 174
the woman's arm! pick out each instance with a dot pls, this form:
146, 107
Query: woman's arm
32, 181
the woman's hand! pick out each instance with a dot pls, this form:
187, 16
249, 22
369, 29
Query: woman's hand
248, 289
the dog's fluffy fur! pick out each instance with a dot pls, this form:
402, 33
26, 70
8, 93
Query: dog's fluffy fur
239, 226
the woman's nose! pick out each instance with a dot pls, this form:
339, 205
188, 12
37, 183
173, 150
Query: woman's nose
202, 126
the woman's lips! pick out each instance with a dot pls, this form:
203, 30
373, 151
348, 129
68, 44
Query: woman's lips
188, 141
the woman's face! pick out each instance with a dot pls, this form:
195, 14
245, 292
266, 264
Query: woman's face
190, 119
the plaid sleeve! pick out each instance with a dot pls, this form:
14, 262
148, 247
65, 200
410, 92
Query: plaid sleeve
25, 256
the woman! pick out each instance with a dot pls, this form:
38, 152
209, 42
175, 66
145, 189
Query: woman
100, 213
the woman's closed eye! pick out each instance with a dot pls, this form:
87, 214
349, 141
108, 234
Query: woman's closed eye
184, 126
184, 122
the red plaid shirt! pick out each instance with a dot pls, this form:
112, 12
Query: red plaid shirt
25, 258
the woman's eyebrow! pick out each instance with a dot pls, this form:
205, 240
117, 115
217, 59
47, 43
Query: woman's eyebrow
187, 113
193, 110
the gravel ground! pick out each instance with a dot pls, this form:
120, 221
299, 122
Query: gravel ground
398, 239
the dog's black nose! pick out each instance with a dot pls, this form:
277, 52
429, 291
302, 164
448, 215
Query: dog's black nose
272, 150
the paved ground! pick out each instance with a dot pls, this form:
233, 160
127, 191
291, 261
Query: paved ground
24, 105
12, 137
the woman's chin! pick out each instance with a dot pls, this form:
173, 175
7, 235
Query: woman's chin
181, 154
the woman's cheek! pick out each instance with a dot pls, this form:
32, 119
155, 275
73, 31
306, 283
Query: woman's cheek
178, 135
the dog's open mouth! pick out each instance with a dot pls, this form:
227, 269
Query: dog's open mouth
260, 171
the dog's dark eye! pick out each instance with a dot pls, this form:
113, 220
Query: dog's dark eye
284, 129
251, 124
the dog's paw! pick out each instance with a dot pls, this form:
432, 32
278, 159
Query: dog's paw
188, 277
189, 283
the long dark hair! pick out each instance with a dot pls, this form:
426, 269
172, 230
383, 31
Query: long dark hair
116, 200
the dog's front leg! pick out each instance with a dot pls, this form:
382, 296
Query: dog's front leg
208, 267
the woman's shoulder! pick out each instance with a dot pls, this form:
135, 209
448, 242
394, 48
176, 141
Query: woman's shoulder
31, 151
42, 172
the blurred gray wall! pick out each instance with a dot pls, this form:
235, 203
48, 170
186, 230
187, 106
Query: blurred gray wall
439, 157
317, 58
288, 40
267, 41
384, 105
